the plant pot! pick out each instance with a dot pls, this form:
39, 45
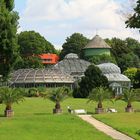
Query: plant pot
57, 111
129, 109
99, 110
9, 113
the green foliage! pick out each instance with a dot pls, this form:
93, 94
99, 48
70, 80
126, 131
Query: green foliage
31, 45
134, 20
137, 79
58, 94
10, 96
102, 59
74, 44
8, 37
100, 94
93, 78
131, 74
125, 52
129, 96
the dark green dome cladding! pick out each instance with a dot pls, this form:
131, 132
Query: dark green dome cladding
97, 46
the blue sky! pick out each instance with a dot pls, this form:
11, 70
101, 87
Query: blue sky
56, 20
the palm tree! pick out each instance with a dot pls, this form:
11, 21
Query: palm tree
129, 96
100, 94
58, 95
10, 96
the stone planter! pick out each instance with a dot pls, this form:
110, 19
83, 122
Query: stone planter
99, 110
57, 111
129, 109
9, 113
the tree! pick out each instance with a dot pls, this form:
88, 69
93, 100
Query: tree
73, 44
93, 78
99, 94
10, 96
124, 52
8, 37
129, 96
131, 73
31, 45
134, 20
137, 79
57, 95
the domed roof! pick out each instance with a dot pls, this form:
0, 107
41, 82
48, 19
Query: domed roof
72, 64
41, 76
97, 42
71, 55
108, 68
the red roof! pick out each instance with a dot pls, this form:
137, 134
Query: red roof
49, 58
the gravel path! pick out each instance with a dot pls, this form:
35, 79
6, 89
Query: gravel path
105, 128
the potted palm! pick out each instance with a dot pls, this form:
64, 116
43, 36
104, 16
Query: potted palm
10, 96
58, 95
129, 96
98, 95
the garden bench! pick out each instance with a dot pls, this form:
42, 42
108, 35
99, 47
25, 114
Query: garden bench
137, 110
111, 110
80, 111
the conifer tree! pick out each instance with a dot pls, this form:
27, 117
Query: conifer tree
8, 37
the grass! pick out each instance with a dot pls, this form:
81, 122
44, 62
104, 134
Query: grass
128, 123
34, 120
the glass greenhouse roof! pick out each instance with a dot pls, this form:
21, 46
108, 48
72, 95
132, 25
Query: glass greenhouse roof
41, 76
72, 64
108, 68
112, 77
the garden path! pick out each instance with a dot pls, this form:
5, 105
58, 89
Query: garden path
105, 128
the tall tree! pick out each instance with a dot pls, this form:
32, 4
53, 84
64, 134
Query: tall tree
8, 37
134, 20
93, 78
73, 44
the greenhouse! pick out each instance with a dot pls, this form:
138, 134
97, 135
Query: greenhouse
41, 77
66, 73
117, 81
73, 65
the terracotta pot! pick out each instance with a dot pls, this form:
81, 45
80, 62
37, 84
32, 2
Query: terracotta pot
9, 113
129, 109
99, 110
57, 111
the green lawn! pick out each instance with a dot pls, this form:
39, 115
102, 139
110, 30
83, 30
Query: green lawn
34, 120
128, 123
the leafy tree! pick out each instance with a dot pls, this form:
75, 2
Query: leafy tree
32, 43
99, 94
131, 73
57, 95
137, 79
10, 96
134, 45
93, 78
129, 96
73, 44
8, 37
124, 53
134, 20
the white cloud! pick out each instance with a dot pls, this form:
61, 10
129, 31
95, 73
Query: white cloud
58, 19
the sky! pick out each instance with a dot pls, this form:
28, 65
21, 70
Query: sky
58, 19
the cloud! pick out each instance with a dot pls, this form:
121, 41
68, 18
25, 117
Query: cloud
58, 19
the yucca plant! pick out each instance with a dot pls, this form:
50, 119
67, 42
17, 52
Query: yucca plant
98, 95
129, 96
9, 96
58, 95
